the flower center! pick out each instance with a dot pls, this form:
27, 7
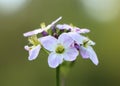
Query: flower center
60, 49
34, 40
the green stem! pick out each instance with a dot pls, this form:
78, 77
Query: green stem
63, 81
45, 51
58, 76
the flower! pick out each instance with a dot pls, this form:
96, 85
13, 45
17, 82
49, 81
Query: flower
62, 42
34, 49
60, 49
85, 48
87, 51
40, 30
72, 28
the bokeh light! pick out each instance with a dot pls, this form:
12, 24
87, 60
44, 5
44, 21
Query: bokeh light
102, 10
8, 7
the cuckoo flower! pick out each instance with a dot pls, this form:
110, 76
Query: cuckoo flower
87, 51
72, 28
34, 49
85, 46
60, 49
43, 28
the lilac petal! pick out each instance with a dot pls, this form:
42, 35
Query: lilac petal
75, 29
88, 52
33, 53
48, 42
84, 31
63, 26
70, 54
65, 40
27, 47
84, 53
77, 37
34, 32
54, 60
92, 55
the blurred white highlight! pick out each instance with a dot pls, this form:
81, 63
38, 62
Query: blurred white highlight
12, 6
102, 10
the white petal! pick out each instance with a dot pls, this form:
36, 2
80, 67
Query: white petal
93, 56
33, 53
77, 37
34, 32
84, 31
65, 39
48, 42
54, 22
70, 54
54, 60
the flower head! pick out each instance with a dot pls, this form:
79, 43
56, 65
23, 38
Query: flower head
62, 42
60, 49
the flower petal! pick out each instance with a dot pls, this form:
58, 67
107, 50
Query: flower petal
84, 52
54, 22
70, 54
27, 47
34, 32
83, 31
33, 53
48, 42
75, 29
63, 26
77, 37
54, 60
65, 39
93, 56
88, 52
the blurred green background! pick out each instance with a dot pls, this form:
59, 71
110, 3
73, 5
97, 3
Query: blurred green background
101, 17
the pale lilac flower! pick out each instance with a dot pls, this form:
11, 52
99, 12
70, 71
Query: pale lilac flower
60, 49
40, 30
34, 49
72, 28
85, 48
87, 51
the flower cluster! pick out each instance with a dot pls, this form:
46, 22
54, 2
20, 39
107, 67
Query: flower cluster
62, 42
